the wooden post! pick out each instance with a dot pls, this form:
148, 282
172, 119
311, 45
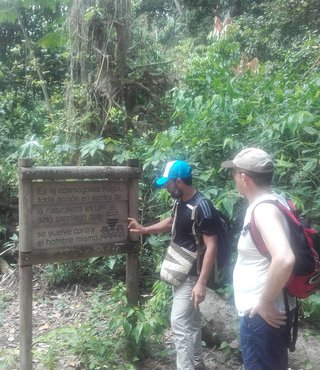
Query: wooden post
132, 266
25, 273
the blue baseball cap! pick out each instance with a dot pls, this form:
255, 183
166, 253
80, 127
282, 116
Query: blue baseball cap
174, 170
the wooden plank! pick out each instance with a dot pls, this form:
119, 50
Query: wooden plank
39, 256
25, 273
79, 172
132, 265
132, 277
25, 317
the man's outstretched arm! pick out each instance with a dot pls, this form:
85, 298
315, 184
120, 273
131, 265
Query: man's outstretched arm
157, 228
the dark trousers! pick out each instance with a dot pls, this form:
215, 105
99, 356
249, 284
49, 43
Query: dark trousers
263, 347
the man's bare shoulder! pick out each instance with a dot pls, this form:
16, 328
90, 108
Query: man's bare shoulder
266, 208
267, 214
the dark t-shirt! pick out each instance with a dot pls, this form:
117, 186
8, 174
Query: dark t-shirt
207, 220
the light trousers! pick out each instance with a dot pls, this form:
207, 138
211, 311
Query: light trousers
186, 326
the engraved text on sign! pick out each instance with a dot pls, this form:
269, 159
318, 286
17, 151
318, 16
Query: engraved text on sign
72, 213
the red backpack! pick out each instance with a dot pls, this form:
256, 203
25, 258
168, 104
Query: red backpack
305, 242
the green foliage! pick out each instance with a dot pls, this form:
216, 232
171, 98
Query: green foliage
30, 148
310, 310
225, 347
220, 112
115, 335
100, 151
5, 300
194, 18
269, 29
134, 327
8, 358
7, 11
95, 269
226, 291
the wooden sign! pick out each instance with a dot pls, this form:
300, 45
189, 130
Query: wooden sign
67, 213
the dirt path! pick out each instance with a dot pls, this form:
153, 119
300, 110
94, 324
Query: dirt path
56, 308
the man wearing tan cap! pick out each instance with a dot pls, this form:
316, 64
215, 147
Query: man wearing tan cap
259, 279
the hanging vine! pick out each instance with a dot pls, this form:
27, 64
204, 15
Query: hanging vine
99, 38
109, 92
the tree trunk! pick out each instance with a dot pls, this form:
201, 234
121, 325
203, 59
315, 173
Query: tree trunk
100, 40
178, 6
220, 323
36, 65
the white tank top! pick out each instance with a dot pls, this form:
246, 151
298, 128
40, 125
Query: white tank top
250, 272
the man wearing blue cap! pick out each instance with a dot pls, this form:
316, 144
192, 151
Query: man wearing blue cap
185, 314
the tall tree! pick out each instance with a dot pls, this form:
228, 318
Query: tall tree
99, 33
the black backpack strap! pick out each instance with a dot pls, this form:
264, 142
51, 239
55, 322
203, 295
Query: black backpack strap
198, 240
197, 237
292, 322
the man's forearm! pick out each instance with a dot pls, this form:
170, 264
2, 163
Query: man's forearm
159, 227
208, 259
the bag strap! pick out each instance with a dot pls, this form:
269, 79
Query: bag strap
292, 323
256, 235
173, 227
197, 238
194, 215
290, 215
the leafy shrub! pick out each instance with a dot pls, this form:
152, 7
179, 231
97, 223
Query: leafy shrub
220, 112
310, 310
95, 269
116, 334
